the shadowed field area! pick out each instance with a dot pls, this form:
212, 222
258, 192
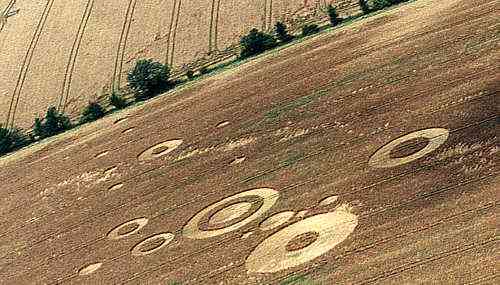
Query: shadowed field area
364, 155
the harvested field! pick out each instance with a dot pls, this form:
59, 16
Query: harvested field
66, 53
351, 158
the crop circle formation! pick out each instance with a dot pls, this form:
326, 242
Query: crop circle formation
89, 269
159, 150
142, 248
328, 230
383, 158
127, 229
266, 196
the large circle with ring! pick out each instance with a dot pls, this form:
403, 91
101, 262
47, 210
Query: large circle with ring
116, 233
272, 254
138, 248
382, 158
192, 228
153, 152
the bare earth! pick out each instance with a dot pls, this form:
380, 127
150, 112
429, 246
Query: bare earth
365, 155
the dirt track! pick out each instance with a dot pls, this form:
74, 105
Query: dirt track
307, 120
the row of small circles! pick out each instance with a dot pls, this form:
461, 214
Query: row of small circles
272, 255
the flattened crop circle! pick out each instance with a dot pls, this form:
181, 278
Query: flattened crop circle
382, 158
159, 150
116, 233
330, 229
138, 249
192, 228
89, 269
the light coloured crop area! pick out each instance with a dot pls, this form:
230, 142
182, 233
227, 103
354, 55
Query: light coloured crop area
65, 53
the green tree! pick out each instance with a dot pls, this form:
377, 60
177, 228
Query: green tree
11, 139
116, 100
381, 4
53, 123
92, 112
204, 70
309, 29
363, 4
148, 78
282, 32
333, 15
256, 42
190, 74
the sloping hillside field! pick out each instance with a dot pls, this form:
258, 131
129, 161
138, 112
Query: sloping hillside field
364, 155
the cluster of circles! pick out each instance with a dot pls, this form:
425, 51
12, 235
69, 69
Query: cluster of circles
233, 213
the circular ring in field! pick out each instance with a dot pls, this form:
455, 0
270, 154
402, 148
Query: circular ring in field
127, 229
115, 187
229, 213
101, 154
89, 269
383, 159
268, 196
159, 150
128, 130
328, 230
138, 249
120, 120
276, 220
328, 200
238, 160
223, 124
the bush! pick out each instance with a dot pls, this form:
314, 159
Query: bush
381, 4
116, 100
282, 32
256, 42
11, 139
333, 15
363, 4
148, 78
53, 123
92, 112
190, 74
204, 70
309, 29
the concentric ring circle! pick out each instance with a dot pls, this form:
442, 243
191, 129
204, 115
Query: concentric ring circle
150, 153
115, 233
167, 238
272, 254
192, 230
382, 158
